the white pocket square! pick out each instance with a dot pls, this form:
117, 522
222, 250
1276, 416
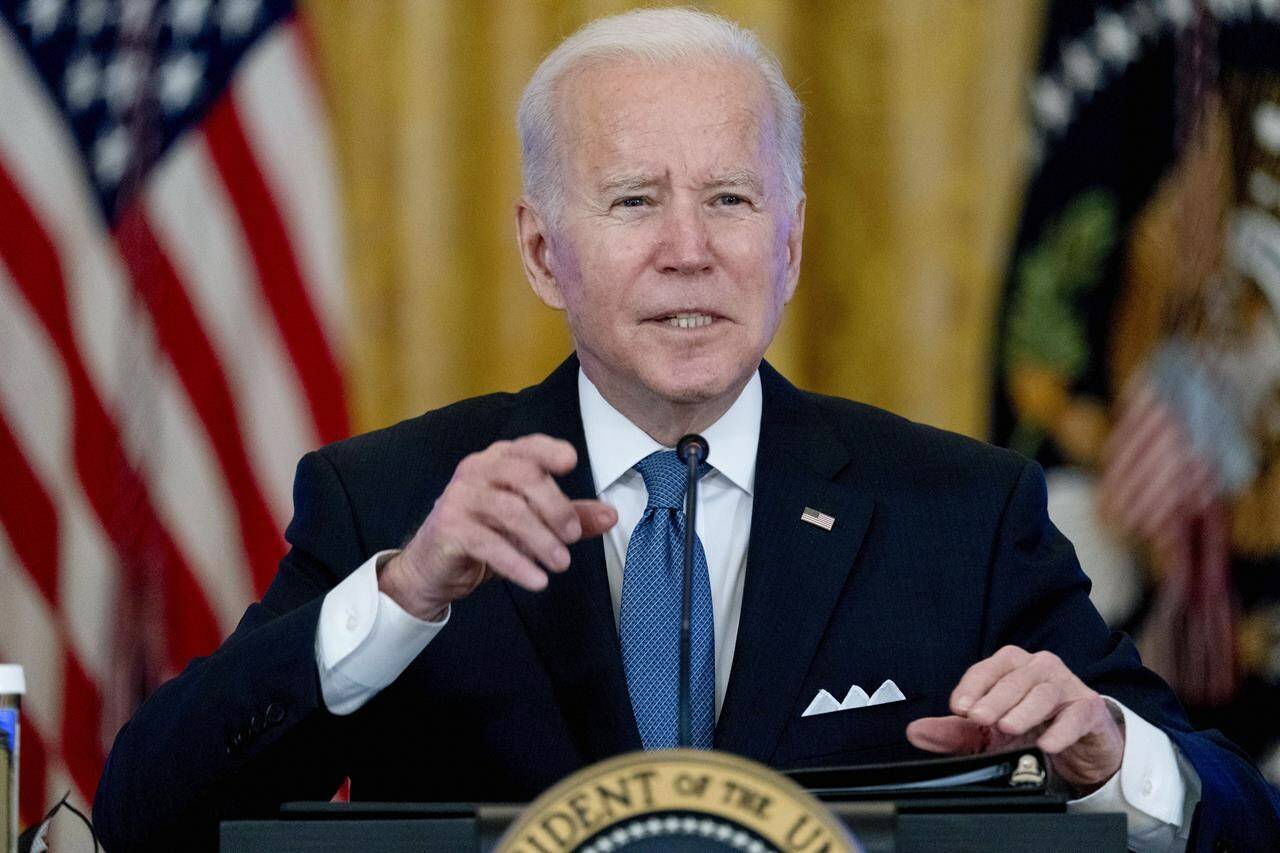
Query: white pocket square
825, 703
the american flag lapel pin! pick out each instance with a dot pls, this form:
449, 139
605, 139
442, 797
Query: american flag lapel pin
817, 519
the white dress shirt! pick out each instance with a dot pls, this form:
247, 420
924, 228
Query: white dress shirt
364, 640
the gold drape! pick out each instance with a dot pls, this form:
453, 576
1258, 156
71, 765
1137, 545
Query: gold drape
913, 139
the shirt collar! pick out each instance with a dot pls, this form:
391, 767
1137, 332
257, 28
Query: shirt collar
615, 444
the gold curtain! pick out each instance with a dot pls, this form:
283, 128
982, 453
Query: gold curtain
914, 129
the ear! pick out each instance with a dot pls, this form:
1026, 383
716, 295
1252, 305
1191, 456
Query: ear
534, 239
795, 241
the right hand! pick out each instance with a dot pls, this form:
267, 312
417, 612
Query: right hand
501, 514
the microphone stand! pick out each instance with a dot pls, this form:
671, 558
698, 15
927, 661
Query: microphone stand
691, 450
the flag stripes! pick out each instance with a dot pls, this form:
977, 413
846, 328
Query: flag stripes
28, 513
195, 227
36, 436
1153, 476
1157, 485
282, 285
113, 489
181, 336
308, 204
81, 731
164, 362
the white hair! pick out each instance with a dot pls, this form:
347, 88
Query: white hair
657, 36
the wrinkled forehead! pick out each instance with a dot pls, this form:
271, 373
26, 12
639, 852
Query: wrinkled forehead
634, 113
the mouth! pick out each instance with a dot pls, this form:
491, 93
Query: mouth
686, 320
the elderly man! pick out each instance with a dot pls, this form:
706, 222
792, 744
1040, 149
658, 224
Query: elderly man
526, 627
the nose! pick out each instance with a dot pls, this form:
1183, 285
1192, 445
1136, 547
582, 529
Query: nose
686, 241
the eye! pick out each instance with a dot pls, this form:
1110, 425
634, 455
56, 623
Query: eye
731, 199
632, 201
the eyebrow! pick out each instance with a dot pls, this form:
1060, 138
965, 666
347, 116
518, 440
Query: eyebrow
625, 183
630, 183
740, 178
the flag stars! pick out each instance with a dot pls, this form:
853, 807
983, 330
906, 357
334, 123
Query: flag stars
1225, 10
91, 17
123, 78
112, 64
1266, 127
1144, 21
1110, 46
180, 79
82, 82
111, 157
1117, 43
1082, 67
188, 17
44, 17
135, 16
1177, 12
1052, 102
237, 17
1264, 191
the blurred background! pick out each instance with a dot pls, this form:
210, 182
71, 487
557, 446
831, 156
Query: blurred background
232, 231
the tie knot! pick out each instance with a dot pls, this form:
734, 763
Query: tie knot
664, 477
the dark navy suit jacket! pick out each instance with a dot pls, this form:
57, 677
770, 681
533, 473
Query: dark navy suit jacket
941, 553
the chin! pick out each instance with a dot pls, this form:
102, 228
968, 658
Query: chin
687, 395
693, 382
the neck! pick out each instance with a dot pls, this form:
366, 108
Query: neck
663, 420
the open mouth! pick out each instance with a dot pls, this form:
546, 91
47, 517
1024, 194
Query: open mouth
686, 320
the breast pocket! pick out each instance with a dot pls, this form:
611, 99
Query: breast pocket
808, 739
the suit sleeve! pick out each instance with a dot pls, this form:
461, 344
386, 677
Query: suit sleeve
244, 729
1038, 598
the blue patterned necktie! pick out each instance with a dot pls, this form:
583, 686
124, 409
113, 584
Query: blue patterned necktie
649, 624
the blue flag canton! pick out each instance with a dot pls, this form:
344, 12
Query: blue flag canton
129, 77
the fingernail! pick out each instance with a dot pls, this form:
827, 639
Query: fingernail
962, 703
573, 530
562, 557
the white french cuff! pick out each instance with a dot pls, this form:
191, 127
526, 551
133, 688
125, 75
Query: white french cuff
1150, 788
364, 640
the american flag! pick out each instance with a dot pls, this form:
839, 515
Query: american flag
171, 311
1166, 491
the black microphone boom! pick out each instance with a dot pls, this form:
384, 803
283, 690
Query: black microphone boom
692, 450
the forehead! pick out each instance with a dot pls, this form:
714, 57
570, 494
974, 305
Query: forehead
693, 115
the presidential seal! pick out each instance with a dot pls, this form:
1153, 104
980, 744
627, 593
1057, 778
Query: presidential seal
676, 800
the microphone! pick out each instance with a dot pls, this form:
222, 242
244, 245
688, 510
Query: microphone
691, 450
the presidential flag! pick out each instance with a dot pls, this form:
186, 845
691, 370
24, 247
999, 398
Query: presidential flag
1139, 339
171, 313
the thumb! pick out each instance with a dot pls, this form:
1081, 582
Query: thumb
596, 517
953, 735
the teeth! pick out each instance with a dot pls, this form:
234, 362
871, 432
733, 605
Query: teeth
688, 321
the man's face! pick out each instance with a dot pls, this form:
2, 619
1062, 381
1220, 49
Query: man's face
674, 252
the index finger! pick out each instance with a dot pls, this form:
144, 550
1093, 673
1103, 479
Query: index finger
554, 455
984, 674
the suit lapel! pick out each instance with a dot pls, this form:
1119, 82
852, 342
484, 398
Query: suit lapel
571, 621
795, 570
